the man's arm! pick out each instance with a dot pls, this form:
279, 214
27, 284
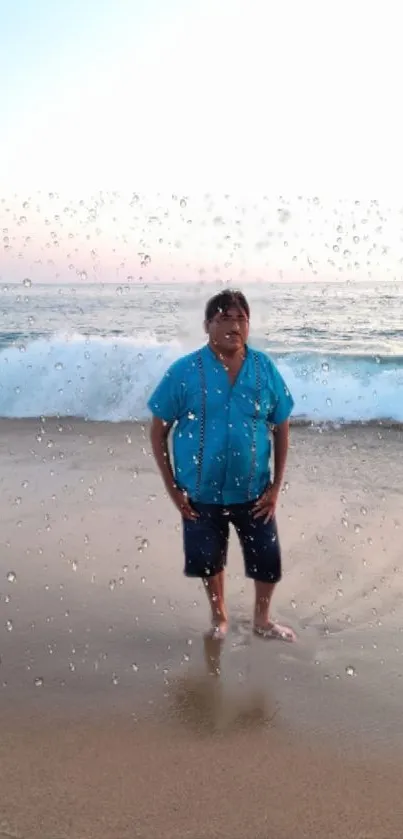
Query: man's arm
265, 506
281, 440
159, 434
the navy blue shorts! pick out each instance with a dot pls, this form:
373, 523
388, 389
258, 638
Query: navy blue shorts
206, 542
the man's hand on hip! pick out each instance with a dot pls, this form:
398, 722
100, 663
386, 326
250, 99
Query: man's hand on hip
182, 503
266, 505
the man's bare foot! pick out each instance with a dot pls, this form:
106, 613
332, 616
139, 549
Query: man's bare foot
275, 631
218, 631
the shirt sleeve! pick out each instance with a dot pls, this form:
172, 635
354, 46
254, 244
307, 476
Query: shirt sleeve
165, 401
283, 402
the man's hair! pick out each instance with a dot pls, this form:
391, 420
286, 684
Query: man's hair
225, 300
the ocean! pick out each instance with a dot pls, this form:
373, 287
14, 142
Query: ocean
96, 351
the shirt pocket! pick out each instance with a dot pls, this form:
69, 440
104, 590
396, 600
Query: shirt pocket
191, 402
256, 404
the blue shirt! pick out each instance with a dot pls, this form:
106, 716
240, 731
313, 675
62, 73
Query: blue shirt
221, 439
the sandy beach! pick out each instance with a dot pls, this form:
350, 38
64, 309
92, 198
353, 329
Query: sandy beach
118, 722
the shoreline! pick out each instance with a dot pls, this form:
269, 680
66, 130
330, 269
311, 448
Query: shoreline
327, 425
83, 507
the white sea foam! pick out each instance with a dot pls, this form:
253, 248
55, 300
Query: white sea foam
108, 378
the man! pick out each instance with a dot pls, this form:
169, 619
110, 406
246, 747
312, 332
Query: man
223, 399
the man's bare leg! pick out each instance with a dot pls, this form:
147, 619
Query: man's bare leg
264, 594
215, 592
263, 623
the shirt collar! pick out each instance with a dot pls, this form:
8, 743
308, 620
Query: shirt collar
211, 353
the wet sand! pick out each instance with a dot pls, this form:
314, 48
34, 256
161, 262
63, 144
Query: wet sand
118, 722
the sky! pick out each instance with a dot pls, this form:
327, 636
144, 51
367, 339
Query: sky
219, 94
249, 98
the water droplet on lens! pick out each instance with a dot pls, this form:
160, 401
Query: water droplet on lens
9, 625
143, 545
364, 511
135, 667
38, 682
11, 577
27, 282
283, 215
112, 584
183, 203
350, 671
325, 367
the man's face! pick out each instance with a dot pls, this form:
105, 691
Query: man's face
228, 331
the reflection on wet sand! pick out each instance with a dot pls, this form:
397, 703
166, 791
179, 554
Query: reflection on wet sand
209, 701
212, 654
